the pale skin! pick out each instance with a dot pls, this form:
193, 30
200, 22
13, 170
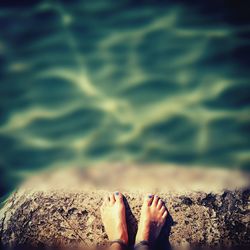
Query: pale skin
152, 219
114, 219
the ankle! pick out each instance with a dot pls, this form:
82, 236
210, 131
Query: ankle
123, 237
116, 246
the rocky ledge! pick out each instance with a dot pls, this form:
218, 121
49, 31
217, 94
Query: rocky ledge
210, 208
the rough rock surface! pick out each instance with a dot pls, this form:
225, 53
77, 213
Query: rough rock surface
44, 214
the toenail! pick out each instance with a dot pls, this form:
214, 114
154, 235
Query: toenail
150, 196
116, 193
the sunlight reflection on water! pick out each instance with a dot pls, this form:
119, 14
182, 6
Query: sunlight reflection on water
87, 82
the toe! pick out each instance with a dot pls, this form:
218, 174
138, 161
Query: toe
112, 199
155, 201
118, 197
106, 198
162, 210
159, 204
148, 199
105, 201
164, 216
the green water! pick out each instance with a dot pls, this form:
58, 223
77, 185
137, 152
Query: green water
122, 81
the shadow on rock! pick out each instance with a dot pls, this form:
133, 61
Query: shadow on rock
131, 223
163, 240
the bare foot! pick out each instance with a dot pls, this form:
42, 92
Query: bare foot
153, 217
114, 217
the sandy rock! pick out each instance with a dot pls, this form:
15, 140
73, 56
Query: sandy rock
51, 213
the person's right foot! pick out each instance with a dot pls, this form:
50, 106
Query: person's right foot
114, 217
153, 217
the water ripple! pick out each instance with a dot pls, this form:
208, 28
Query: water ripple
84, 82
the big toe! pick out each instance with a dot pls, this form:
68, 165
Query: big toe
148, 199
119, 197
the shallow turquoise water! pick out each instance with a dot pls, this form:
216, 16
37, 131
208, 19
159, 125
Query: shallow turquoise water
122, 81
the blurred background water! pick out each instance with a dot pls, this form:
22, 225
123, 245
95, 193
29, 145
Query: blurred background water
129, 81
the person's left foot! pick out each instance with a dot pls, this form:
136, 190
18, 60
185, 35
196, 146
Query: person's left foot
153, 217
114, 217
